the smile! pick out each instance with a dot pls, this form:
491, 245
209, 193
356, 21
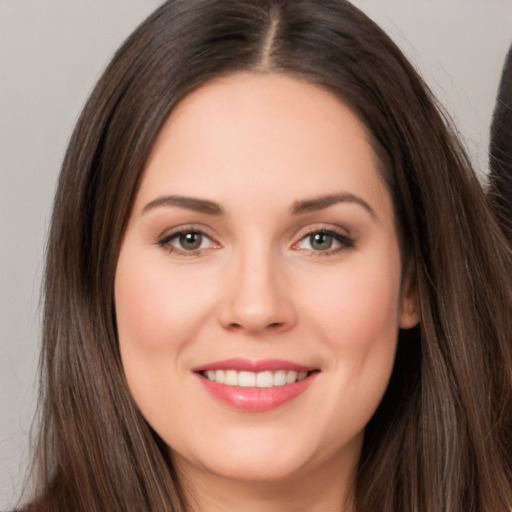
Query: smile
246, 379
255, 386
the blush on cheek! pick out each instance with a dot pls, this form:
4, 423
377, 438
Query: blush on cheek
137, 311
157, 307
363, 310
145, 305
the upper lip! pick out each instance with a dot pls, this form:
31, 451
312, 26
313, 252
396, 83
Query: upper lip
242, 364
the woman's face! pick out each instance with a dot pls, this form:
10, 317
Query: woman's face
259, 286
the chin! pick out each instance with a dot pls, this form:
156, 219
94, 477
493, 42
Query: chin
264, 456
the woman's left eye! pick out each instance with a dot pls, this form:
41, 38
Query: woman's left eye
324, 242
187, 242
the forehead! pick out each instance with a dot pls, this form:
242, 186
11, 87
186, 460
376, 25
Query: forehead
249, 133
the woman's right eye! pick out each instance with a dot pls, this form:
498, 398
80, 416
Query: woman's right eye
187, 242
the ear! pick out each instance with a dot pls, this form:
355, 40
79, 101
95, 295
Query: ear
409, 305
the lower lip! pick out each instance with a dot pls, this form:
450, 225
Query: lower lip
255, 399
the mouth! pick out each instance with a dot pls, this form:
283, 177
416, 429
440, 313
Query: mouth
247, 379
255, 386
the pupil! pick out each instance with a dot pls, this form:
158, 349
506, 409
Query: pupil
191, 241
321, 241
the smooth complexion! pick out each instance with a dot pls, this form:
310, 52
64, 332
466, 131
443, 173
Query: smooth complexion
262, 235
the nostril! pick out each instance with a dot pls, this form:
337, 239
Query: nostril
274, 326
255, 313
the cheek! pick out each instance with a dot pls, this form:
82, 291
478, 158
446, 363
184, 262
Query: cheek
359, 309
359, 327
370, 308
155, 308
357, 323
158, 313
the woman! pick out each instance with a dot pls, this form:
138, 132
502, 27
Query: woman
273, 282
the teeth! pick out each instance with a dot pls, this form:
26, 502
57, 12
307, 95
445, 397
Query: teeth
291, 377
302, 375
280, 378
230, 377
266, 379
247, 379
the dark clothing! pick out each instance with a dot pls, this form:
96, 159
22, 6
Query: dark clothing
500, 191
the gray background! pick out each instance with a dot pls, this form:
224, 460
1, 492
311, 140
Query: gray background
51, 54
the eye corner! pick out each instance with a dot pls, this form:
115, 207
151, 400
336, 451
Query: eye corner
187, 241
324, 241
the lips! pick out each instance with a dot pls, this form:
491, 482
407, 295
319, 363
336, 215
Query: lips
255, 386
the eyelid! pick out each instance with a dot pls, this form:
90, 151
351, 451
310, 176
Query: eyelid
164, 239
341, 235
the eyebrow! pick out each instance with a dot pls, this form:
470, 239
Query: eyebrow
298, 207
322, 202
189, 203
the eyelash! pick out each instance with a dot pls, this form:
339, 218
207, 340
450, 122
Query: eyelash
166, 240
344, 241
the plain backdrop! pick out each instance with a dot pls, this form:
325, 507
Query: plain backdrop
51, 54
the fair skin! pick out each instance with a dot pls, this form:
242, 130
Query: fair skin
256, 267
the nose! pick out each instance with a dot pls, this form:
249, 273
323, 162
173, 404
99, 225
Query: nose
258, 299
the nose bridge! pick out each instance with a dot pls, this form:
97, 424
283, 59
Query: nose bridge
258, 298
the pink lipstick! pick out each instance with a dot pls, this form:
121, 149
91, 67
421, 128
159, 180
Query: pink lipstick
255, 386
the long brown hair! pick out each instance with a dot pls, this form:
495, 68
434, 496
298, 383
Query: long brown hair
441, 439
